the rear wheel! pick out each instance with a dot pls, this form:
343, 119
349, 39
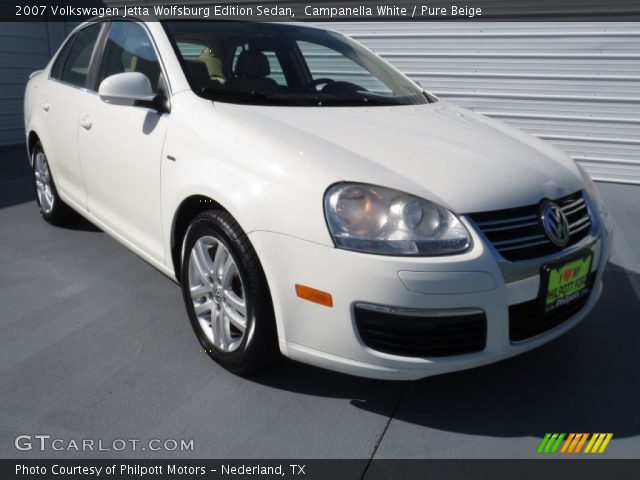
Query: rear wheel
51, 206
226, 294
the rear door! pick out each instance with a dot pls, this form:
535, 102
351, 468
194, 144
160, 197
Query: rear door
61, 102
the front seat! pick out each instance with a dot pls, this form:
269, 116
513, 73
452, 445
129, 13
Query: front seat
213, 64
252, 69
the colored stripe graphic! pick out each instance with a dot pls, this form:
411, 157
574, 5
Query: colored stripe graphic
556, 445
606, 442
567, 442
582, 440
591, 442
550, 443
598, 442
574, 442
543, 442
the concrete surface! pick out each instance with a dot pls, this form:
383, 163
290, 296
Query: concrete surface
94, 344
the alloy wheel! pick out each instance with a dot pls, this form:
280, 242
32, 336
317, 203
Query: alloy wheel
217, 294
43, 183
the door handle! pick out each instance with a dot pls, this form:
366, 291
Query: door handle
85, 122
45, 106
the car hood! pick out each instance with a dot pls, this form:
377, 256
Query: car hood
463, 160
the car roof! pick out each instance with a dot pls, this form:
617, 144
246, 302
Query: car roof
138, 19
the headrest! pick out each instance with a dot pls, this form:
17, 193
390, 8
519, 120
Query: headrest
213, 64
252, 64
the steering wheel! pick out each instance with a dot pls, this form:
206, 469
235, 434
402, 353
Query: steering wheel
314, 83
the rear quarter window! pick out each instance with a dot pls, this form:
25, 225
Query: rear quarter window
58, 64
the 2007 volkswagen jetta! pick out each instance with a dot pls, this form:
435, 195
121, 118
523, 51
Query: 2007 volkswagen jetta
313, 201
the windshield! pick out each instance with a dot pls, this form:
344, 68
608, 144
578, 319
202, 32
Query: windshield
273, 64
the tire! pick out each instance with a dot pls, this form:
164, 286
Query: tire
51, 206
220, 274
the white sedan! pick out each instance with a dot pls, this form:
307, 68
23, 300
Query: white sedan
311, 200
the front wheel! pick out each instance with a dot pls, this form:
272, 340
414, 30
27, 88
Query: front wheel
226, 294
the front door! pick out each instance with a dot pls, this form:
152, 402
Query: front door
121, 146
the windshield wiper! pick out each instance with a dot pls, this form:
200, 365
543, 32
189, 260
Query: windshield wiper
364, 101
288, 99
254, 97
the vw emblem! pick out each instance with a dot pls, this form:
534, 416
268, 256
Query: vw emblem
555, 224
217, 295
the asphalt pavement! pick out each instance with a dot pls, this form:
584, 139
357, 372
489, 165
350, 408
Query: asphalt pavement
95, 344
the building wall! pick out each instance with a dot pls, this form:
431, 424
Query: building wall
24, 47
576, 85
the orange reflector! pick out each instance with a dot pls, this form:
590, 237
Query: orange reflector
313, 295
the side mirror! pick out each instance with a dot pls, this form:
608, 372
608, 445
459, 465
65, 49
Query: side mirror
132, 88
431, 98
126, 89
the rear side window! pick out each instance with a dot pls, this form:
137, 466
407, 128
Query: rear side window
129, 49
76, 65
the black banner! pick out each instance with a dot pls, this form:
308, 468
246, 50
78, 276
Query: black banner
584, 469
321, 10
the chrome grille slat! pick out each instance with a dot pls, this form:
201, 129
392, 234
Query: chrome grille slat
511, 227
502, 222
517, 233
573, 204
529, 239
579, 222
574, 231
520, 247
575, 210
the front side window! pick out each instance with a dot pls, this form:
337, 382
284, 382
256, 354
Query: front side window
276, 64
78, 58
129, 49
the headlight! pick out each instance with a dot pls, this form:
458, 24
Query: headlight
372, 219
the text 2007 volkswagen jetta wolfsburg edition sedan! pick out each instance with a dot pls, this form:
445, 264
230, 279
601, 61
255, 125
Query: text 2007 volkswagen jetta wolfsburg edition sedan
311, 200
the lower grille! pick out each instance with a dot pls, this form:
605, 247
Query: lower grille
421, 336
526, 320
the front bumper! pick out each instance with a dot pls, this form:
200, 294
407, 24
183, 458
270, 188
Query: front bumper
474, 281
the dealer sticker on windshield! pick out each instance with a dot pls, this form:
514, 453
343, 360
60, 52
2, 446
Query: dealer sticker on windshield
567, 282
